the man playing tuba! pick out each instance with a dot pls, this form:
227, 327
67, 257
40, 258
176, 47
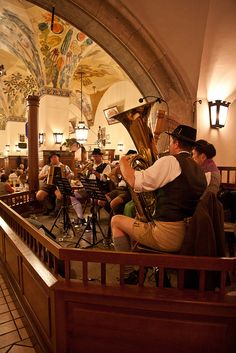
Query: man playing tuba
178, 182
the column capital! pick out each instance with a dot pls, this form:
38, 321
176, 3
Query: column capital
33, 100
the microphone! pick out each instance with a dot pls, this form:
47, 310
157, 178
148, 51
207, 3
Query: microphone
157, 99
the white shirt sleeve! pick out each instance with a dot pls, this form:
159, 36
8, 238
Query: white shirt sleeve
44, 170
106, 171
162, 172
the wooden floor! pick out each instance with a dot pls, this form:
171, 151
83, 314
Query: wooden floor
15, 334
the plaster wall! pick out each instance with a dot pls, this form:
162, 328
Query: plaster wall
53, 117
11, 136
125, 96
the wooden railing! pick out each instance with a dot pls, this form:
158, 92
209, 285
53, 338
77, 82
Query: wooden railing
228, 176
59, 260
18, 198
65, 307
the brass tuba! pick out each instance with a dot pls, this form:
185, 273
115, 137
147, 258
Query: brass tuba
136, 121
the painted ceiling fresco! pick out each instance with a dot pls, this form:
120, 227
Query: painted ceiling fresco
39, 60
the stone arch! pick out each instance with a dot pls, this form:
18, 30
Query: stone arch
129, 43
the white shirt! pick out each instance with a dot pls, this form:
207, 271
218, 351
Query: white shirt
106, 171
162, 172
46, 167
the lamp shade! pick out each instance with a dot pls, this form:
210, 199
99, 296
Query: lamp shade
218, 113
41, 138
81, 132
120, 147
58, 137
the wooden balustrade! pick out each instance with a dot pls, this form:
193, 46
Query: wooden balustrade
228, 177
50, 253
63, 309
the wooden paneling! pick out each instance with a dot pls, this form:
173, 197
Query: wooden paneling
2, 163
37, 295
128, 321
66, 157
12, 260
12, 162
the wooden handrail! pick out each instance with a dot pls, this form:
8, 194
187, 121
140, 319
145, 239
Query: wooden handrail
51, 253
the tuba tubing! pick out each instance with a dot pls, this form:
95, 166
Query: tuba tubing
136, 122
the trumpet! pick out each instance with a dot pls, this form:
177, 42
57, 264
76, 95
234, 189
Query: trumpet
85, 169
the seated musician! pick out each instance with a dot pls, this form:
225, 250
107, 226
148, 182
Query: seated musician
118, 197
96, 170
48, 190
178, 182
203, 153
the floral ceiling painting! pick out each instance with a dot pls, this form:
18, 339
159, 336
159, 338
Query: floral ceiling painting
42, 59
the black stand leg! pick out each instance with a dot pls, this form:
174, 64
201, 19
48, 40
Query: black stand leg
66, 218
95, 224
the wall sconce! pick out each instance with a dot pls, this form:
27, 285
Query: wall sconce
41, 138
17, 148
120, 147
58, 137
7, 148
218, 113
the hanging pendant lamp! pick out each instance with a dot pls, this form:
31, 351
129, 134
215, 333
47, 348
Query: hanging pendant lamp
81, 132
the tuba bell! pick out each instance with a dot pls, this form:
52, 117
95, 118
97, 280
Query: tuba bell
136, 121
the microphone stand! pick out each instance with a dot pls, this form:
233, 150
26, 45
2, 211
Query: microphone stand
158, 100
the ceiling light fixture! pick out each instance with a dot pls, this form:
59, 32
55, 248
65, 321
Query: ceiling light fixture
81, 132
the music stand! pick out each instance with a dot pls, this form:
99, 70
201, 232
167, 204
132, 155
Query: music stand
93, 188
66, 190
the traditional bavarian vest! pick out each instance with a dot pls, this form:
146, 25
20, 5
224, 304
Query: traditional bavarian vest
178, 199
101, 167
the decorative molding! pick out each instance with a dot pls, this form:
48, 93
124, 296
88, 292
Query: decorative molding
54, 92
16, 118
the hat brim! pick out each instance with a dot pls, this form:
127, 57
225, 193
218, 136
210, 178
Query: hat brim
182, 138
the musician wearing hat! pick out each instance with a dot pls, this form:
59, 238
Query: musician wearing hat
178, 182
99, 170
48, 189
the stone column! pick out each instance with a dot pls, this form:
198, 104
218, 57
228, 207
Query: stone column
33, 158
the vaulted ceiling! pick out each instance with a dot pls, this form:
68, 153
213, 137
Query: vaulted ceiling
39, 59
182, 50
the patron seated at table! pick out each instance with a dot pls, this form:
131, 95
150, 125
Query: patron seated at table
48, 190
5, 187
13, 177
